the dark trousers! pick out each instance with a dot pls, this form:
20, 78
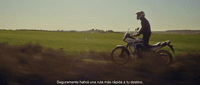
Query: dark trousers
146, 43
146, 40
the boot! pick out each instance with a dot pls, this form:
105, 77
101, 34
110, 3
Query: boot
138, 55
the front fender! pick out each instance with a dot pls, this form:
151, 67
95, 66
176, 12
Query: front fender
125, 49
120, 46
171, 46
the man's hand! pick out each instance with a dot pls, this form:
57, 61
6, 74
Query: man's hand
137, 29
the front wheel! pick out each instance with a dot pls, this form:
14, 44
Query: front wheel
165, 56
120, 56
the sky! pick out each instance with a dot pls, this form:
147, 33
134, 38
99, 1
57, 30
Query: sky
116, 15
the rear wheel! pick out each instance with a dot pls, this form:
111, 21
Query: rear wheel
164, 56
120, 56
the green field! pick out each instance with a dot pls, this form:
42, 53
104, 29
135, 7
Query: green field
74, 43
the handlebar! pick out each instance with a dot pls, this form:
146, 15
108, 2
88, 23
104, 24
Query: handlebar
128, 35
133, 35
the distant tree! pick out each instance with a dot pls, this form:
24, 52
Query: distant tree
110, 31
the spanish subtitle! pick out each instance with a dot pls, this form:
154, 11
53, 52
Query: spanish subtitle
98, 82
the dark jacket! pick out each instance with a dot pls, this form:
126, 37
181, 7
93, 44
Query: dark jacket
145, 29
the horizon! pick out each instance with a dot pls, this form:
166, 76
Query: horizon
113, 15
94, 30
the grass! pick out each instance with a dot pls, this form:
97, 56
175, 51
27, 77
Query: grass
74, 43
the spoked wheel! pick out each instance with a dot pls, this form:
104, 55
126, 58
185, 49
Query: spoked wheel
164, 56
120, 56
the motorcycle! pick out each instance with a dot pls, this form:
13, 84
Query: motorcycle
122, 56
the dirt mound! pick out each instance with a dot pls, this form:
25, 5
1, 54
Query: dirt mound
31, 64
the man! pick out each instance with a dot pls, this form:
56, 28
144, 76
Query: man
145, 29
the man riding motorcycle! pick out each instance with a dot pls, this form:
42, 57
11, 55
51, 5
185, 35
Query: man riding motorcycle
145, 29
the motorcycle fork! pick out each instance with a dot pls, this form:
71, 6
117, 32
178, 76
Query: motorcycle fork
124, 49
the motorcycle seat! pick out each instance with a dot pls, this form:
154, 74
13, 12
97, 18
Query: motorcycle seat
159, 43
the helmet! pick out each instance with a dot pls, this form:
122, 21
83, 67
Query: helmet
140, 14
